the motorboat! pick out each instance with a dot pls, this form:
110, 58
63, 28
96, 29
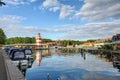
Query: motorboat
18, 58
11, 52
29, 56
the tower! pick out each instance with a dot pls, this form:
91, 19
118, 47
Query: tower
38, 40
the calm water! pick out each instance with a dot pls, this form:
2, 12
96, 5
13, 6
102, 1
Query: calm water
71, 66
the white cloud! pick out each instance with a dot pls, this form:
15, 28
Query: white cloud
54, 9
50, 3
66, 11
92, 31
55, 5
19, 2
99, 10
8, 19
12, 26
91, 10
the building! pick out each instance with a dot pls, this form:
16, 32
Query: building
88, 45
38, 40
103, 40
116, 37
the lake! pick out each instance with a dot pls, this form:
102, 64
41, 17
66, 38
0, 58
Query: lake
57, 65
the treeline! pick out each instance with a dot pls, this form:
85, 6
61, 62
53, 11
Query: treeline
70, 42
20, 40
2, 37
24, 40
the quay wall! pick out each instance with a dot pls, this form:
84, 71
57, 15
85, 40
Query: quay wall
13, 73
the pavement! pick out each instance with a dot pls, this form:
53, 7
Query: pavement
3, 73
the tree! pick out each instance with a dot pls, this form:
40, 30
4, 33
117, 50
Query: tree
2, 3
2, 37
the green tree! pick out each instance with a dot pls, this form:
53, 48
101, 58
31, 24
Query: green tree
2, 3
90, 40
2, 37
46, 40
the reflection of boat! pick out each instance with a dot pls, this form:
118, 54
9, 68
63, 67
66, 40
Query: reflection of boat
116, 64
116, 61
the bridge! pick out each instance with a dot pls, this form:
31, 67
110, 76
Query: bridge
33, 46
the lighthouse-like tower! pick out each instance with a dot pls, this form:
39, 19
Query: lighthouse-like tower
38, 40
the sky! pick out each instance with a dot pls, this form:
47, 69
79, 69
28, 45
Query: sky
61, 19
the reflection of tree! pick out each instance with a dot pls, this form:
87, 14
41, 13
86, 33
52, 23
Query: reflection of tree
45, 53
83, 54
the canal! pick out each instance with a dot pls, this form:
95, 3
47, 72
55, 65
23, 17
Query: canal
71, 65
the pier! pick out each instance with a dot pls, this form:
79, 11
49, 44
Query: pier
3, 74
32, 46
8, 70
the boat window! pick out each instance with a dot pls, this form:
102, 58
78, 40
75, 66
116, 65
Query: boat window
18, 55
28, 52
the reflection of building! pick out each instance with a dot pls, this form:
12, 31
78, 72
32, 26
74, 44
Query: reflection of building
38, 58
46, 53
38, 40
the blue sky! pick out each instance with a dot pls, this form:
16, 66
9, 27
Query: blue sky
61, 19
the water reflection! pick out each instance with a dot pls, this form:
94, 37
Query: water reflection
71, 66
45, 53
83, 55
38, 57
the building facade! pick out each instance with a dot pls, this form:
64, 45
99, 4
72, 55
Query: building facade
38, 40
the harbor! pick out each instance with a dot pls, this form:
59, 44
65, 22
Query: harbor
52, 61
59, 39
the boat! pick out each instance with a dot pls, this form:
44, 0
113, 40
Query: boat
29, 56
19, 59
